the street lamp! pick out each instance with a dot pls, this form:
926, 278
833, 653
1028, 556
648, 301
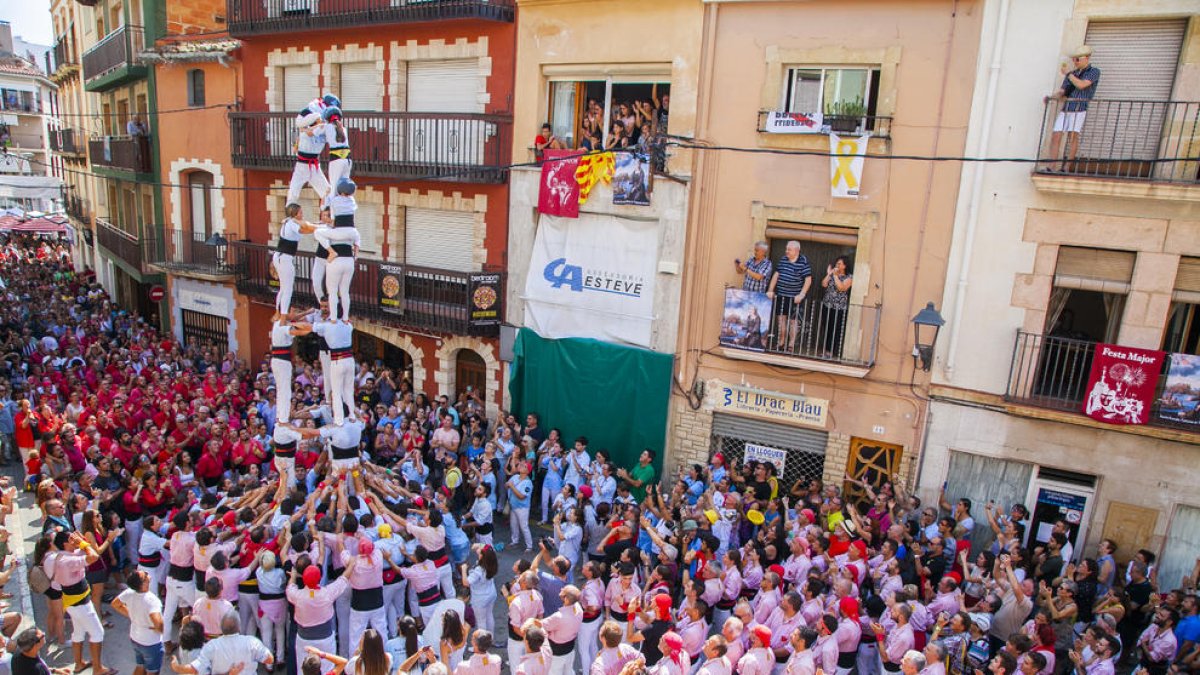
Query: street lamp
926, 325
218, 242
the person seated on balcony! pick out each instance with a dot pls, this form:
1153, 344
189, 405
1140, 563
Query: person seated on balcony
339, 145
1078, 88
546, 140
342, 240
789, 288
284, 258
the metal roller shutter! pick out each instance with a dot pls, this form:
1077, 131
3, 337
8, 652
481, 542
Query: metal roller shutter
1179, 553
444, 86
440, 239
805, 447
299, 87
369, 225
985, 479
359, 84
1137, 62
1094, 269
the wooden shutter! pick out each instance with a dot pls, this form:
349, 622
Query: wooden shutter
359, 84
440, 239
1094, 269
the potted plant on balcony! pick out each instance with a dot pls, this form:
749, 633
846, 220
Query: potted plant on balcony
846, 116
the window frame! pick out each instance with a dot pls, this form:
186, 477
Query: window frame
609, 81
195, 76
871, 83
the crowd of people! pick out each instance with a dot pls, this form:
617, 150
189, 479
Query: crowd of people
236, 535
632, 124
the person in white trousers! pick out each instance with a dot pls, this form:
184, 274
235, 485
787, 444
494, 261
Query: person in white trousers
181, 588
339, 335
338, 140
519, 490
592, 600
313, 318
342, 241
309, 144
282, 334
313, 610
284, 258
318, 261
272, 604
284, 440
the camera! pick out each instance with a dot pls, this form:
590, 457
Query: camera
551, 547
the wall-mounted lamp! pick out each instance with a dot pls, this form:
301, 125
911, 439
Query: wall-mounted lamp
926, 325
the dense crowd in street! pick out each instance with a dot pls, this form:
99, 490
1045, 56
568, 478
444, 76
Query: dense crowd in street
361, 536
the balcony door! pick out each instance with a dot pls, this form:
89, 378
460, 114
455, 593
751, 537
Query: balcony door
190, 243
450, 86
1138, 61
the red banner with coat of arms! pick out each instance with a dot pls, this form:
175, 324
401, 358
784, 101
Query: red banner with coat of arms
1122, 384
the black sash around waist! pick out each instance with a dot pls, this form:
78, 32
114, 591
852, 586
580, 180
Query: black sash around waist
592, 616
270, 596
484, 528
180, 573
320, 631
309, 158
725, 604
343, 250
151, 560
344, 220
201, 576
561, 649
285, 450
429, 596
891, 667
344, 453
439, 557
322, 254
847, 659
288, 246
281, 352
366, 599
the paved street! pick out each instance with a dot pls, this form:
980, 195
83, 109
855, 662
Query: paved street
25, 527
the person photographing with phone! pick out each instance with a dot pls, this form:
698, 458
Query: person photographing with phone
756, 270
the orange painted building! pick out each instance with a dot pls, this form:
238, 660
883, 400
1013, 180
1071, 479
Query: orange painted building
427, 95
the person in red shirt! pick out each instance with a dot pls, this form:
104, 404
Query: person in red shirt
210, 467
247, 451
26, 422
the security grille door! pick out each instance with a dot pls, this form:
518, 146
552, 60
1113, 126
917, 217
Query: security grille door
445, 87
805, 447
440, 239
1137, 62
1179, 553
202, 329
983, 479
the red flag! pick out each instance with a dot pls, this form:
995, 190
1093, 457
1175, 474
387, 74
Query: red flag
1122, 384
559, 193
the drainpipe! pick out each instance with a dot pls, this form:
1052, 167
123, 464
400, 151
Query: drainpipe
964, 268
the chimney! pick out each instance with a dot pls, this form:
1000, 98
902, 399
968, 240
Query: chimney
6, 38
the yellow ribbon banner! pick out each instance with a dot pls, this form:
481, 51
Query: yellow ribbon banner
846, 164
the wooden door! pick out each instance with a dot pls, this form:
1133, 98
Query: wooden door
470, 371
871, 462
1130, 526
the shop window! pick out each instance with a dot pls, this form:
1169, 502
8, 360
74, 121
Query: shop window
585, 113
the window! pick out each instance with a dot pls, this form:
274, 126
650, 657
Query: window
358, 85
200, 218
845, 96
195, 88
1183, 323
586, 113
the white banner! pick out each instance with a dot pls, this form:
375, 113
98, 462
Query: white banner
846, 164
761, 453
593, 277
793, 123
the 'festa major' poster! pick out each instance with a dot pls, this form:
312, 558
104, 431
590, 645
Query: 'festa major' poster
1122, 384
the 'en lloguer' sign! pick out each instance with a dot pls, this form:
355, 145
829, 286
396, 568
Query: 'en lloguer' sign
771, 405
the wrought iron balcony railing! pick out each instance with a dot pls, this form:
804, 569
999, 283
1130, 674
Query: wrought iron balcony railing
808, 330
464, 147
259, 17
137, 251
1156, 141
118, 49
187, 251
130, 153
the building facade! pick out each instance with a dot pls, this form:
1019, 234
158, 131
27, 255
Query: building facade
427, 95
26, 99
1098, 246
608, 353
820, 381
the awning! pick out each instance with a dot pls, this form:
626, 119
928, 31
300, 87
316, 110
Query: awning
44, 224
30, 187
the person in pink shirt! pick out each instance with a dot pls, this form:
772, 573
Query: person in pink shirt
675, 659
562, 630
734, 646
795, 568
783, 622
482, 662
433, 537
948, 599
209, 610
314, 610
204, 549
898, 641
826, 646
768, 598
366, 589
715, 661
524, 603
758, 660
423, 578
537, 659
181, 589
847, 634
219, 568
692, 628
592, 602
615, 654
813, 609
620, 593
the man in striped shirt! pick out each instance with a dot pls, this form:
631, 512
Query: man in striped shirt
788, 290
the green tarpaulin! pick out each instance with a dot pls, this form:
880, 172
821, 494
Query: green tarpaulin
615, 396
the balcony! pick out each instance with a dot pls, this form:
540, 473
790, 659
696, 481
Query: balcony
1147, 149
464, 147
21, 102
186, 253
64, 54
78, 209
136, 252
404, 296
879, 126
67, 142
126, 153
115, 59
1052, 373
809, 336
263, 17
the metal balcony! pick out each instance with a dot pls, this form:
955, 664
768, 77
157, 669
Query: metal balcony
115, 59
188, 253
137, 251
67, 142
464, 147
404, 296
128, 153
264, 17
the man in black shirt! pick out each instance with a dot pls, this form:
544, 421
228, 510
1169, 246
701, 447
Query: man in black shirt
933, 563
27, 661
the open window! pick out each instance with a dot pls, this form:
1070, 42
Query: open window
611, 112
846, 96
1183, 323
